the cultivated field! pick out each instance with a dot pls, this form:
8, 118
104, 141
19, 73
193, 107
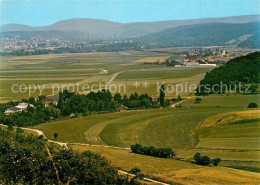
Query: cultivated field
181, 129
173, 171
51, 71
219, 126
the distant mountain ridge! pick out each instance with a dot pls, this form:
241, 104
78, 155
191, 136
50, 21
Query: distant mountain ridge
96, 29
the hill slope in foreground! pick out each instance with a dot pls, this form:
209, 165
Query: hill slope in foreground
175, 128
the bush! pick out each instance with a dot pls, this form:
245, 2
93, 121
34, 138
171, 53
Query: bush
252, 105
204, 160
135, 171
201, 160
55, 135
216, 161
197, 100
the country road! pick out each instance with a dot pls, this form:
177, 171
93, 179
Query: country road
113, 77
39, 132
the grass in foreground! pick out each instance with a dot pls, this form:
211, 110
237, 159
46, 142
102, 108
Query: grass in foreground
173, 171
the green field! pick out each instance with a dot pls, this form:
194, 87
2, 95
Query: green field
219, 126
235, 130
158, 127
173, 171
69, 69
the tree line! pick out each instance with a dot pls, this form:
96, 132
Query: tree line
152, 151
72, 103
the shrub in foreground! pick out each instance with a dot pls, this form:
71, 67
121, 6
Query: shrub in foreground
31, 160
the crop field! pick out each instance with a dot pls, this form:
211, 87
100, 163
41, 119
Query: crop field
173, 171
235, 130
68, 69
182, 129
158, 127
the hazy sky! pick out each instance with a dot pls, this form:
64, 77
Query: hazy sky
46, 12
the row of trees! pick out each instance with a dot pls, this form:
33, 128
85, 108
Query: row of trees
152, 151
26, 159
102, 101
69, 102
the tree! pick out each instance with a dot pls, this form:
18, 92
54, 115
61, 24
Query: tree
55, 135
162, 95
10, 128
167, 103
196, 157
201, 160
197, 100
135, 171
179, 98
118, 98
204, 160
216, 161
252, 105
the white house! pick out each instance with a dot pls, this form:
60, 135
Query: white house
22, 106
18, 108
103, 71
12, 110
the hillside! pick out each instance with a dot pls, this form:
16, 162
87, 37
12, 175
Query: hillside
27, 159
212, 34
102, 29
245, 70
251, 42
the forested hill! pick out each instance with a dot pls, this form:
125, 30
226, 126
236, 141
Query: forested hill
244, 70
251, 42
211, 34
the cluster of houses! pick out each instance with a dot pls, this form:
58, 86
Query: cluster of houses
194, 64
214, 57
50, 100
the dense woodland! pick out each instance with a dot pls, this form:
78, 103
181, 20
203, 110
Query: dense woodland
243, 70
71, 103
26, 159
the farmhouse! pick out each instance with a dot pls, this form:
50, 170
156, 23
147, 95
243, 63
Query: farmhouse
51, 100
23, 106
18, 108
12, 110
103, 71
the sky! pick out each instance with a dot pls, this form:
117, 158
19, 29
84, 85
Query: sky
46, 12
